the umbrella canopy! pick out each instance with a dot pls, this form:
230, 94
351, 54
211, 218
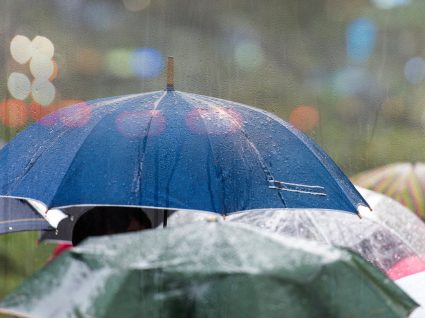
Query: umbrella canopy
377, 243
18, 215
171, 149
212, 269
396, 217
403, 181
414, 286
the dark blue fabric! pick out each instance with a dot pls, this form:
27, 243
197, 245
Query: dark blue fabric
174, 150
16, 215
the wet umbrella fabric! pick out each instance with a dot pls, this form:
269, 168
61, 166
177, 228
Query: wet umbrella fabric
17, 215
207, 270
402, 181
377, 243
396, 217
414, 286
172, 150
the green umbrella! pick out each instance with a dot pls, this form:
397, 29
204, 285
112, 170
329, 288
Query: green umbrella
211, 269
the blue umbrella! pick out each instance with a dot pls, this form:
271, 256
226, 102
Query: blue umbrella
170, 149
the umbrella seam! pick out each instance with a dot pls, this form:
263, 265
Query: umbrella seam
316, 152
50, 142
142, 152
79, 149
212, 151
265, 168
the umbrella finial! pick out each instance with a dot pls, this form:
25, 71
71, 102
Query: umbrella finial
170, 73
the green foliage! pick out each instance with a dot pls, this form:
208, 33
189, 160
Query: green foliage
20, 256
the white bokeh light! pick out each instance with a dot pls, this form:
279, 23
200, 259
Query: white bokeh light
43, 91
41, 67
414, 70
248, 55
42, 46
390, 4
21, 49
19, 85
136, 5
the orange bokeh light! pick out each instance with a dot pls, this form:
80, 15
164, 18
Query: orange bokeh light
38, 111
304, 117
13, 113
76, 116
55, 71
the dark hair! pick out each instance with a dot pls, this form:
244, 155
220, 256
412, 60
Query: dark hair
104, 220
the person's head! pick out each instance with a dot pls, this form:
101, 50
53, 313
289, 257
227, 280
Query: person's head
109, 220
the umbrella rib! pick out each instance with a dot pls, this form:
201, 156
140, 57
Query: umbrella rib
79, 149
138, 173
212, 151
265, 168
313, 221
391, 230
49, 142
317, 152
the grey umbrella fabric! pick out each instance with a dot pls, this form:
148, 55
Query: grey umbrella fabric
18, 215
385, 236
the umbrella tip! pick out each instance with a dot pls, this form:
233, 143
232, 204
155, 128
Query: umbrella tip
170, 73
364, 211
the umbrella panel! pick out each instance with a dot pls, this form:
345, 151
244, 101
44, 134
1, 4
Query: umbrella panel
17, 215
173, 150
373, 240
207, 270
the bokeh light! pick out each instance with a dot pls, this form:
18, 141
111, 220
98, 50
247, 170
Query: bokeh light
147, 62
13, 113
136, 5
353, 81
414, 70
42, 67
135, 124
389, 4
38, 111
100, 15
42, 46
214, 121
248, 55
21, 49
43, 92
76, 115
87, 60
19, 85
55, 71
117, 62
361, 37
394, 108
304, 117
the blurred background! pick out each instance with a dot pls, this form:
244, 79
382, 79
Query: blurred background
348, 73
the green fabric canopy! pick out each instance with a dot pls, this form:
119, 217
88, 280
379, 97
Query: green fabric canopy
211, 269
